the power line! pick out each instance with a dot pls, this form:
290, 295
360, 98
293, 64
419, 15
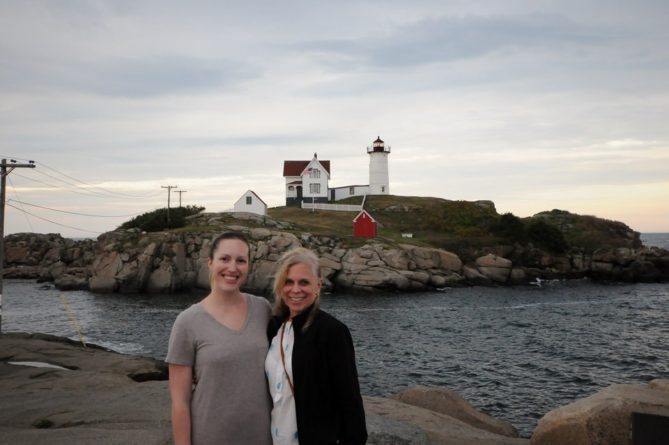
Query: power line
78, 190
53, 222
17, 194
73, 213
92, 192
106, 193
125, 195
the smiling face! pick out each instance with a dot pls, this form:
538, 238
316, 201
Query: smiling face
300, 289
229, 265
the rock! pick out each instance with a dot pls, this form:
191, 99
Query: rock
445, 401
130, 261
70, 282
494, 267
260, 233
261, 277
386, 431
491, 260
474, 276
441, 429
449, 261
102, 284
202, 280
603, 418
661, 384
101, 397
517, 275
161, 280
330, 262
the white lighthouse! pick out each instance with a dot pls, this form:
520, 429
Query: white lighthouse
378, 168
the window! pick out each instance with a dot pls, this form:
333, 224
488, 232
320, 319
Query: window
351, 190
291, 188
314, 188
315, 173
383, 189
249, 200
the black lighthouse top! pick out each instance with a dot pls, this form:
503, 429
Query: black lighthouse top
378, 147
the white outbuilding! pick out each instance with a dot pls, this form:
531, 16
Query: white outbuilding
249, 202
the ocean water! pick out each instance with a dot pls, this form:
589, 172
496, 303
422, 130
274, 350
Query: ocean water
514, 352
656, 239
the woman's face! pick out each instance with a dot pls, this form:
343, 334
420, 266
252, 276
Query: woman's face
300, 288
230, 265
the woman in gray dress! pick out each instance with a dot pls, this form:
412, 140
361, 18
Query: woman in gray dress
216, 357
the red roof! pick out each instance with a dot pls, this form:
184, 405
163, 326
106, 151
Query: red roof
295, 168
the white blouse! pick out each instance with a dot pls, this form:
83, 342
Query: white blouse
284, 419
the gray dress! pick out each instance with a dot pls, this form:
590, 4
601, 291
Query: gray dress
230, 402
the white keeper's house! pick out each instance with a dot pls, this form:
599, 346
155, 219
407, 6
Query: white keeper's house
308, 181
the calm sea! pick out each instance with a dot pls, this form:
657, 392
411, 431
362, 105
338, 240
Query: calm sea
515, 352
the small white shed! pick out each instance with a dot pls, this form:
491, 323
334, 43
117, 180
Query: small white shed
249, 202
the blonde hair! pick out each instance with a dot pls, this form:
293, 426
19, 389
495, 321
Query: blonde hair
298, 255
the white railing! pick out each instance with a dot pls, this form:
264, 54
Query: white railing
333, 207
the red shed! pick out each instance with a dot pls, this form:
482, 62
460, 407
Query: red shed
364, 226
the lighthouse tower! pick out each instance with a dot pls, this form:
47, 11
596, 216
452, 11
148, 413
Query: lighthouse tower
378, 168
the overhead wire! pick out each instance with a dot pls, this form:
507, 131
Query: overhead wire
53, 222
73, 185
106, 193
77, 191
121, 194
73, 213
14, 191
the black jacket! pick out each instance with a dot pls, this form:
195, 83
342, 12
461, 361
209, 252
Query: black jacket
327, 394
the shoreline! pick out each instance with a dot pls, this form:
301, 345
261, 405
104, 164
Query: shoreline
108, 398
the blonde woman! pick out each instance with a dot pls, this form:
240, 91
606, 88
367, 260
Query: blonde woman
310, 365
216, 354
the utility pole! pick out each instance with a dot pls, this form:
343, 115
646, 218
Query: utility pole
6, 169
169, 189
180, 192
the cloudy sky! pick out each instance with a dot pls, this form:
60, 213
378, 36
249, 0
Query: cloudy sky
532, 104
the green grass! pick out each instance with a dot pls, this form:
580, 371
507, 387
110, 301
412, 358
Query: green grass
465, 227
432, 221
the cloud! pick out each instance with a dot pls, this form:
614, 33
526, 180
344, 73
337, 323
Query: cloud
135, 77
449, 39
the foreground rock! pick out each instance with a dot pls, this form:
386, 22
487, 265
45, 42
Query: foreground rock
101, 397
441, 429
54, 391
604, 418
445, 401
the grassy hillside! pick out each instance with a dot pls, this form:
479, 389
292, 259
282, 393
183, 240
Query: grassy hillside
468, 228
432, 221
462, 225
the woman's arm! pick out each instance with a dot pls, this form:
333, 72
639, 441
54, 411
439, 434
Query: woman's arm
181, 389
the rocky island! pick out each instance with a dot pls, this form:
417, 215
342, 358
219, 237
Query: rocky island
456, 244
